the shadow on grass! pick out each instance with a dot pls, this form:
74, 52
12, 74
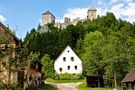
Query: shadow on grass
64, 81
84, 87
47, 87
43, 87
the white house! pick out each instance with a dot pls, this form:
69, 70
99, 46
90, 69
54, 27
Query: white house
68, 62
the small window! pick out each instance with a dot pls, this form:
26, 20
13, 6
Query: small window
68, 67
60, 69
72, 58
75, 67
68, 51
64, 59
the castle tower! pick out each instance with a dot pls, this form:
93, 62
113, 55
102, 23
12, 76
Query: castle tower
47, 17
91, 13
67, 21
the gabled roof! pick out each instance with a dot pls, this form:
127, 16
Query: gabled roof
7, 30
67, 47
130, 77
48, 12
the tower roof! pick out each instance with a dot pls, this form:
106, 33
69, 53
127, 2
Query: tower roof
92, 9
48, 12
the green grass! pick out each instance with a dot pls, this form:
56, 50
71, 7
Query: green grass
67, 76
47, 87
43, 87
84, 87
64, 81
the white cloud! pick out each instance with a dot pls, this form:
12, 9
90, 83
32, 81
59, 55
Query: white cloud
127, 11
40, 20
130, 19
121, 8
101, 12
118, 10
2, 18
122, 1
60, 19
73, 13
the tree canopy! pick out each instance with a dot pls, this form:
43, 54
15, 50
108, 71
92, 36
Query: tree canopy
106, 45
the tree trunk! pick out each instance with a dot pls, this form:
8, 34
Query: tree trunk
115, 81
98, 82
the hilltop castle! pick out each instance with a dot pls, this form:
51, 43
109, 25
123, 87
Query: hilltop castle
48, 17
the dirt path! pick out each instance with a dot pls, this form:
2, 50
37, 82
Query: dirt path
65, 86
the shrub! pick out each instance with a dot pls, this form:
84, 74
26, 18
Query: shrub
13, 86
67, 76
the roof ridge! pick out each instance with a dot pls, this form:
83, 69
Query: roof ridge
7, 29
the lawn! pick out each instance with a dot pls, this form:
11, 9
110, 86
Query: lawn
84, 87
64, 81
47, 87
43, 87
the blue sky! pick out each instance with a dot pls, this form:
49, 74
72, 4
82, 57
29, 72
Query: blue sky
23, 15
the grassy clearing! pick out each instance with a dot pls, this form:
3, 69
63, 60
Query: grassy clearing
84, 87
44, 87
64, 81
47, 87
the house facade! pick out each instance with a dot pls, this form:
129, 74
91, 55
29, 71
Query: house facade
30, 75
7, 40
68, 62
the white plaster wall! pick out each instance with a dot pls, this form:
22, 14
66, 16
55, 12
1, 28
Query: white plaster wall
59, 63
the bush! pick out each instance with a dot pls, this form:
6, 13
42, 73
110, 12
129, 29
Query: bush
67, 76
13, 86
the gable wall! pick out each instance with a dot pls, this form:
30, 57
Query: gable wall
60, 63
11, 41
4, 34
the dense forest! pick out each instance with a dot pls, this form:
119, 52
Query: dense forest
105, 45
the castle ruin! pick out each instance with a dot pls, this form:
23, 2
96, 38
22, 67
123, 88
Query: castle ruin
48, 17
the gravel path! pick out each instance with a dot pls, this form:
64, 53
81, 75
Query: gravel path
65, 86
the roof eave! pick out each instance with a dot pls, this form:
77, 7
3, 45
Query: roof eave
10, 32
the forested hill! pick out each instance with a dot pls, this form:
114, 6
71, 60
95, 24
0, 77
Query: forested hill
106, 45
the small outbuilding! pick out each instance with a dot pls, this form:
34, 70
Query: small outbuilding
94, 81
129, 81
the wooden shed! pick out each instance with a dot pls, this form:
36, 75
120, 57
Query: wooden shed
94, 81
33, 75
129, 81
